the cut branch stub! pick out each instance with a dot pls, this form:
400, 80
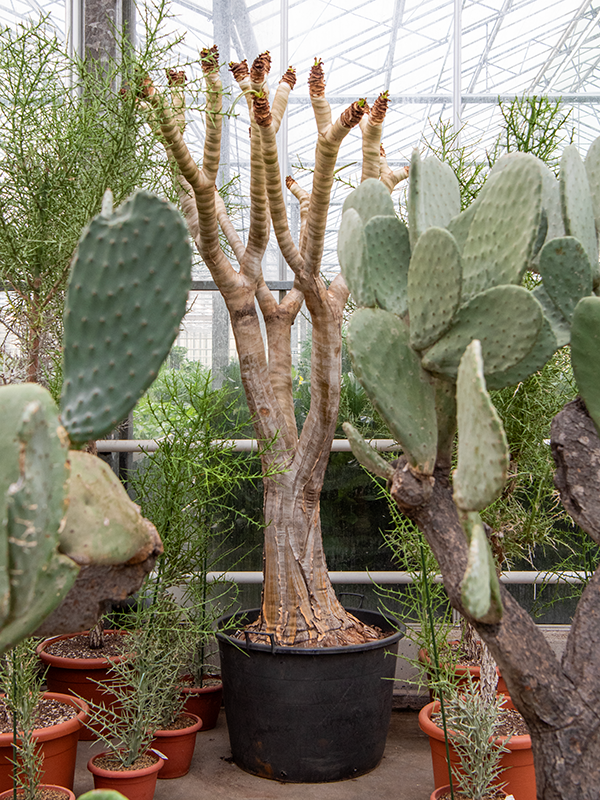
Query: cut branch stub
316, 79
371, 199
585, 350
391, 373
567, 274
367, 455
507, 321
209, 59
480, 588
127, 294
577, 206
504, 229
434, 286
482, 466
433, 195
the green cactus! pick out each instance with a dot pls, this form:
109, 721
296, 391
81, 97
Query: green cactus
392, 375
585, 347
33, 480
371, 199
577, 206
559, 325
433, 195
480, 587
567, 274
367, 455
434, 287
127, 293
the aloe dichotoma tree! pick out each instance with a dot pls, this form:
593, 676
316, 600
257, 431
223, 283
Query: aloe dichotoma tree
299, 605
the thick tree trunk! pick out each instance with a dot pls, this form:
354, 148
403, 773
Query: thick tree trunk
559, 701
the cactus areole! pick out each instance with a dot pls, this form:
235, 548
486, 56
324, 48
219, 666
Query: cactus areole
299, 605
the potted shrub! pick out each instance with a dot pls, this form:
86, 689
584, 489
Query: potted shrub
41, 743
148, 722
300, 617
186, 487
428, 365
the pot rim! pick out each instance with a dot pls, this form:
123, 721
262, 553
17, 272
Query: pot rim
252, 613
123, 773
77, 663
193, 728
441, 789
517, 741
461, 669
66, 727
68, 793
203, 689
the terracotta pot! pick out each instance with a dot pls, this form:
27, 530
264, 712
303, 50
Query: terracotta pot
58, 745
135, 784
205, 702
67, 793
437, 793
519, 775
178, 747
462, 669
77, 675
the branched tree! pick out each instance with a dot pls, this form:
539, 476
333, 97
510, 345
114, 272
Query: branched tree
299, 605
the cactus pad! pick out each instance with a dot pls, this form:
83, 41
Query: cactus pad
560, 327
367, 455
391, 373
567, 274
504, 229
480, 586
127, 294
434, 281
544, 348
592, 169
482, 447
433, 195
386, 263
585, 347
370, 199
353, 258
577, 206
33, 476
102, 526
506, 319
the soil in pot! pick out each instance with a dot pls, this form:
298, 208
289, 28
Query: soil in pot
463, 666
45, 792
308, 715
137, 783
73, 667
204, 701
519, 775
60, 722
177, 744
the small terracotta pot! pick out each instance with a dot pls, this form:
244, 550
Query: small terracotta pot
58, 745
205, 702
519, 775
77, 675
135, 784
462, 669
178, 747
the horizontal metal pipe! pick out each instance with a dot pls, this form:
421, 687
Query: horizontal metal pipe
396, 577
238, 445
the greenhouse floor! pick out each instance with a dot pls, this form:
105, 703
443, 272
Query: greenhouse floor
404, 773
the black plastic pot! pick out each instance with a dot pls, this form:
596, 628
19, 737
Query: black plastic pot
308, 715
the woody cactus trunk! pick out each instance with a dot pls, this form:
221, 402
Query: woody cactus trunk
441, 320
299, 605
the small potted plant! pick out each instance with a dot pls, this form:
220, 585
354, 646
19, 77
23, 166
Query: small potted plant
467, 736
40, 746
149, 699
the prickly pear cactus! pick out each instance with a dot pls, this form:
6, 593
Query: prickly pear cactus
34, 576
461, 280
127, 294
